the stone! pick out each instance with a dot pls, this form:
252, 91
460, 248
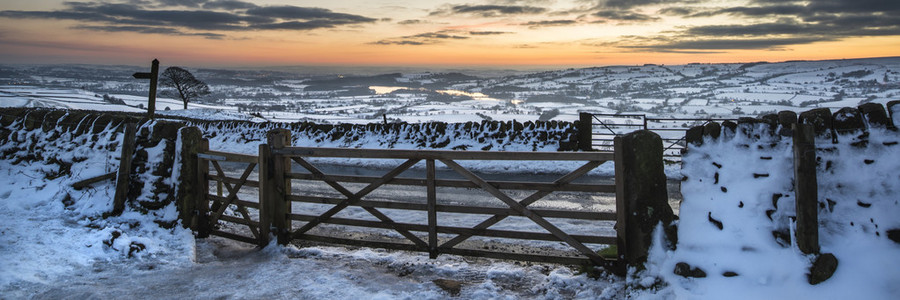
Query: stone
683, 269
645, 196
712, 130
894, 235
848, 120
786, 119
694, 136
822, 268
715, 222
452, 287
820, 118
892, 107
729, 128
875, 115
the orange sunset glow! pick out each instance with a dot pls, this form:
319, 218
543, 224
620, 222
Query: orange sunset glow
445, 33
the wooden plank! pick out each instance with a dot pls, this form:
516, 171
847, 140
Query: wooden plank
86, 182
122, 177
432, 213
232, 180
279, 185
241, 221
236, 201
246, 215
202, 192
547, 213
228, 156
621, 205
452, 251
504, 185
265, 204
517, 256
496, 233
537, 219
360, 243
440, 154
233, 236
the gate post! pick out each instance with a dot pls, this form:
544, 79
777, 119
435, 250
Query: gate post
585, 131
805, 188
201, 191
641, 198
279, 186
188, 179
265, 200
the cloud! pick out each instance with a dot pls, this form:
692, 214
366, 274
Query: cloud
488, 32
547, 23
438, 37
148, 29
428, 38
413, 22
219, 15
489, 11
229, 5
725, 44
622, 15
766, 24
307, 13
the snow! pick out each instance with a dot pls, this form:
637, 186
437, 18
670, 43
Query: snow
723, 184
56, 244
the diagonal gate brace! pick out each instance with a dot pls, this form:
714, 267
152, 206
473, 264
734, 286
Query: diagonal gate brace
354, 198
537, 219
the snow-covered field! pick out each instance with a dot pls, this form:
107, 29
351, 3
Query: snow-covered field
685, 91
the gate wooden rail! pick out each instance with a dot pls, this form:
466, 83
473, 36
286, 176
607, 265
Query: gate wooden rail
280, 165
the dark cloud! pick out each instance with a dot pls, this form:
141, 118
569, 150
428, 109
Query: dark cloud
307, 13
229, 5
677, 11
795, 23
185, 3
636, 3
724, 44
143, 16
412, 22
399, 42
427, 38
147, 29
622, 15
547, 23
488, 32
490, 11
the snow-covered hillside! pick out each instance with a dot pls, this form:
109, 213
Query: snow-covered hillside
693, 91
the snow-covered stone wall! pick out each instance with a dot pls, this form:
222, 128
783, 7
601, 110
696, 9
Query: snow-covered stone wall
486, 135
737, 218
62, 140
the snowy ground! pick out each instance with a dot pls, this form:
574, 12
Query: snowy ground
54, 242
50, 251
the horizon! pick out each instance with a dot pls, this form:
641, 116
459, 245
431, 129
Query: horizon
489, 34
363, 70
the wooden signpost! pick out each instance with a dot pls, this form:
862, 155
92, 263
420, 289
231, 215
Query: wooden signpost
153, 75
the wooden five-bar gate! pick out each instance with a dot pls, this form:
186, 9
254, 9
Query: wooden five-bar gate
279, 165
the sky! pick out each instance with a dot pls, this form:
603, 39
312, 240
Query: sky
488, 33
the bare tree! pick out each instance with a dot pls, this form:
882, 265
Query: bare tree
185, 84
